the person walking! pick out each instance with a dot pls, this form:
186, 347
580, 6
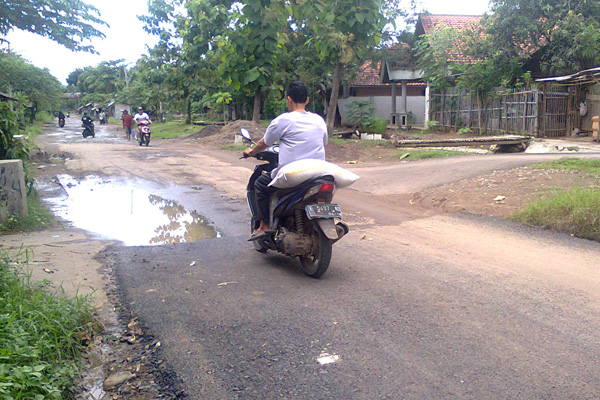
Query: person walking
127, 123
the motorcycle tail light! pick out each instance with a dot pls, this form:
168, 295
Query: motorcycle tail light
326, 187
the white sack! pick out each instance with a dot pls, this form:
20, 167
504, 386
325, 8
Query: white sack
299, 171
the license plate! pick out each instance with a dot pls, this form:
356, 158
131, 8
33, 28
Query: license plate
323, 211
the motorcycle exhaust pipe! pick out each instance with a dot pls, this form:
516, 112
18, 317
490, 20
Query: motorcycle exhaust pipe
341, 229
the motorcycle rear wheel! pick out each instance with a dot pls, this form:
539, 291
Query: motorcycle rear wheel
315, 265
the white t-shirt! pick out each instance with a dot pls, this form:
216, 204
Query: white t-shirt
301, 135
142, 118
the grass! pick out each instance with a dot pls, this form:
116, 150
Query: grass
362, 143
170, 130
234, 147
589, 166
41, 336
575, 211
38, 216
425, 154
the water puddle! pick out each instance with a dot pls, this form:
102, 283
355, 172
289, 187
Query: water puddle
122, 210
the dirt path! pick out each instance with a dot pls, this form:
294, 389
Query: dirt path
379, 209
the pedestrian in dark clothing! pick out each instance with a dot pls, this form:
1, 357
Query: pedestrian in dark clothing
127, 124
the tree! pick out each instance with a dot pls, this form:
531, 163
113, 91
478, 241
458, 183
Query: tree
432, 52
243, 39
101, 82
562, 36
65, 22
37, 85
340, 32
174, 69
73, 78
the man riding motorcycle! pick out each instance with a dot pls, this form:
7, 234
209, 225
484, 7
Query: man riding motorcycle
301, 135
141, 118
88, 122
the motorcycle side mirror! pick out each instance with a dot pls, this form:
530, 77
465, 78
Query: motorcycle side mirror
245, 134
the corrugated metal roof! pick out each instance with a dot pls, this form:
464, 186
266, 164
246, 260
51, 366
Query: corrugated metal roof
584, 77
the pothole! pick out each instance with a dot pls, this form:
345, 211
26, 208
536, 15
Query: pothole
126, 211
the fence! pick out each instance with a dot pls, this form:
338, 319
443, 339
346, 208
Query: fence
546, 112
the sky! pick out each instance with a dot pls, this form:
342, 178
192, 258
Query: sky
125, 39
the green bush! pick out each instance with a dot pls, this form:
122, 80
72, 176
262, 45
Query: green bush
377, 125
360, 114
431, 126
10, 147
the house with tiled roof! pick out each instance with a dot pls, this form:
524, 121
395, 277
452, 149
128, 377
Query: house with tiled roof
396, 89
369, 86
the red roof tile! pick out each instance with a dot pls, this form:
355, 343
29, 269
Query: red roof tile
430, 21
369, 76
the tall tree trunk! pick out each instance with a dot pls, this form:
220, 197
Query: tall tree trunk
335, 90
256, 110
188, 118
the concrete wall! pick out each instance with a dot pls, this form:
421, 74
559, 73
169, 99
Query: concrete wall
13, 194
383, 106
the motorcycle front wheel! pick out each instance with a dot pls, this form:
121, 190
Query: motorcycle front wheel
315, 265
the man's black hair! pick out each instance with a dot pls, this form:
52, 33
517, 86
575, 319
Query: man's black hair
297, 91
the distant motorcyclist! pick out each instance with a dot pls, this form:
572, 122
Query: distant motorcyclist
141, 118
61, 119
88, 121
102, 117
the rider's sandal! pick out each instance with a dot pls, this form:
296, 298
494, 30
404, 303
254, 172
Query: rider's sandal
257, 235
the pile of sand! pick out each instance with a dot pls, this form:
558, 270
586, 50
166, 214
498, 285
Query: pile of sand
227, 133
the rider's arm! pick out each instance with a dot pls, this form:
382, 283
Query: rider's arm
260, 146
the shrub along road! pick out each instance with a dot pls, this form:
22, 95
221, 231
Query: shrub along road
417, 303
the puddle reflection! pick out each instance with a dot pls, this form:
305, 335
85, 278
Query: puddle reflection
128, 213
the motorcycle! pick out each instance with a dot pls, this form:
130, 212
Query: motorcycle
302, 218
61, 122
144, 134
88, 130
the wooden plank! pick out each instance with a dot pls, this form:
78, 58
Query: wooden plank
477, 141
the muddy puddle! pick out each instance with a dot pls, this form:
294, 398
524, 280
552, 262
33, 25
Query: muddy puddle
126, 211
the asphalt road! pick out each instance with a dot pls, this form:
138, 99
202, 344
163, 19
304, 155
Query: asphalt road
415, 305
401, 322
